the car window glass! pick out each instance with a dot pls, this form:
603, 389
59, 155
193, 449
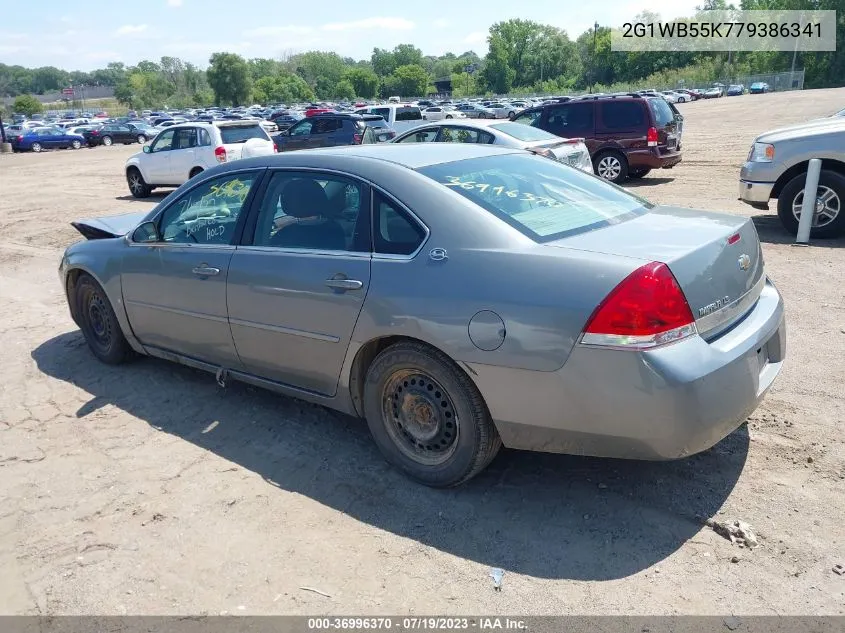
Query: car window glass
205, 139
231, 134
186, 138
531, 118
163, 141
325, 126
369, 136
420, 136
450, 134
408, 114
303, 128
394, 233
570, 119
312, 211
662, 112
384, 112
208, 213
621, 115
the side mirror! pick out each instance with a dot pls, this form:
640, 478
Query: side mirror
147, 149
146, 232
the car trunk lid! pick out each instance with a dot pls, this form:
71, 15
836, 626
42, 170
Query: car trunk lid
244, 139
716, 259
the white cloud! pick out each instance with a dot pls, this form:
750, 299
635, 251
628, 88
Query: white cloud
131, 29
396, 24
442, 23
174, 3
477, 37
272, 31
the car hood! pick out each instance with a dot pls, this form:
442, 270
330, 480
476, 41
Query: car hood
816, 127
109, 226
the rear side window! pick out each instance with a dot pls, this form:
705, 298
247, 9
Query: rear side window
394, 233
621, 115
325, 126
662, 112
408, 114
242, 133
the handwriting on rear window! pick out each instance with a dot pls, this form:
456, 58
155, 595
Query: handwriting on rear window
500, 191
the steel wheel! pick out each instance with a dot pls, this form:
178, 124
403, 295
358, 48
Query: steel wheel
99, 323
96, 312
827, 207
609, 167
107, 140
421, 417
36, 147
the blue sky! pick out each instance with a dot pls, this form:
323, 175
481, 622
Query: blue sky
85, 35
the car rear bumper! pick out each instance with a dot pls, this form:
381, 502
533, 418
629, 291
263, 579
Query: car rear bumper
756, 194
653, 159
660, 404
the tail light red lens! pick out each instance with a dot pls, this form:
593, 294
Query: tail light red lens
20, 139
220, 154
647, 309
651, 137
275, 148
357, 139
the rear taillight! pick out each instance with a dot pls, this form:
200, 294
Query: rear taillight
220, 154
20, 139
275, 148
357, 138
647, 309
94, 133
651, 137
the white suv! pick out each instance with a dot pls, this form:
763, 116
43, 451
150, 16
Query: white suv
182, 151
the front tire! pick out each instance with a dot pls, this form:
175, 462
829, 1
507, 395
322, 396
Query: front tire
138, 187
427, 417
36, 147
829, 214
99, 324
612, 166
142, 139
76, 145
107, 141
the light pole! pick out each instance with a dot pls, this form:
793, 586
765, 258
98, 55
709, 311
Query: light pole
593, 59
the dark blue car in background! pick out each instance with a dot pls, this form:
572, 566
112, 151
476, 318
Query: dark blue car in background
41, 138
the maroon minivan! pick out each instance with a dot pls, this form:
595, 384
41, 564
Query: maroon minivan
627, 135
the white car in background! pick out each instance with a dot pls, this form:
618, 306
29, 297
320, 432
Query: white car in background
571, 151
503, 110
438, 113
183, 150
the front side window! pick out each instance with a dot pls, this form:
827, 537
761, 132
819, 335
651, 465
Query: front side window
163, 142
420, 136
532, 118
571, 119
543, 199
208, 213
312, 211
186, 138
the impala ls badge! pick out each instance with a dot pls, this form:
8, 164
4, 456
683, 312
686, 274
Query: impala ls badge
712, 307
744, 262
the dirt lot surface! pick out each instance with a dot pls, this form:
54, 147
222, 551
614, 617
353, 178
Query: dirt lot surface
146, 489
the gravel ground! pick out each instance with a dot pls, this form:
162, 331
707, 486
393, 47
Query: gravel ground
146, 489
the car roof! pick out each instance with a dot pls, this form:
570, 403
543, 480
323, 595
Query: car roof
478, 123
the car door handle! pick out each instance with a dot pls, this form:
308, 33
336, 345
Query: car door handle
344, 284
205, 271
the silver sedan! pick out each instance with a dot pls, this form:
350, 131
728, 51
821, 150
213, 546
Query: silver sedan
457, 297
572, 151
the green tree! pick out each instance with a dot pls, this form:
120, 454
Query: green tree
498, 74
261, 67
383, 62
407, 55
344, 90
228, 76
409, 81
363, 80
124, 94
27, 105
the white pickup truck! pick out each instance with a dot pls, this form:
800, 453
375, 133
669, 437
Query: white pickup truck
400, 116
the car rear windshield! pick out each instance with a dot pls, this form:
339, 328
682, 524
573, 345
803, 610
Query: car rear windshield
242, 133
662, 112
543, 199
408, 114
524, 132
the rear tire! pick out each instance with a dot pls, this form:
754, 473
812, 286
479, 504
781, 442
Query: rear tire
831, 192
612, 166
99, 324
142, 139
36, 147
427, 417
195, 171
107, 141
639, 173
76, 145
138, 187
